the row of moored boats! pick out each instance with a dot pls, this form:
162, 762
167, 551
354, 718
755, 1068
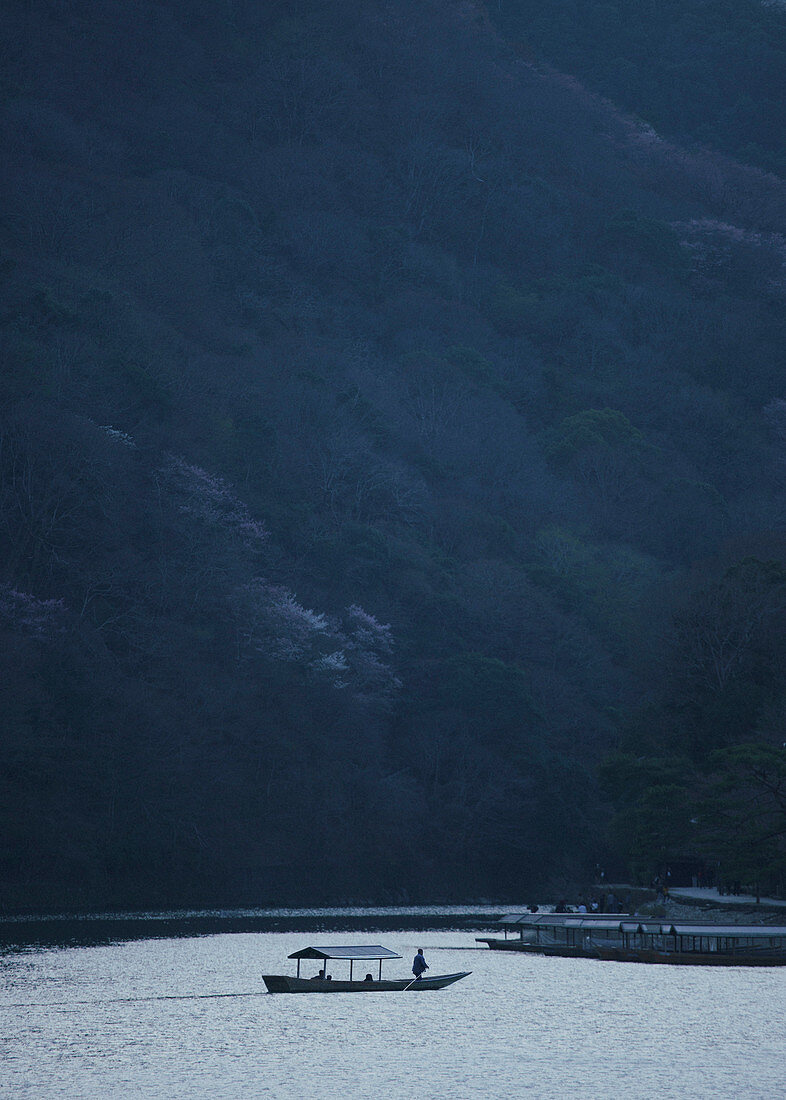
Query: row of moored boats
625, 938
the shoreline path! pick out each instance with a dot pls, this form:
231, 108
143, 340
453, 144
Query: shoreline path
710, 895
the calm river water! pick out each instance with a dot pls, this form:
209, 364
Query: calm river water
187, 1016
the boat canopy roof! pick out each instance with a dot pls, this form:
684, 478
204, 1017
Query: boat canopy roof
612, 922
725, 931
730, 931
373, 951
558, 918
603, 925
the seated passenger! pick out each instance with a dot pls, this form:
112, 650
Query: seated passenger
318, 977
368, 978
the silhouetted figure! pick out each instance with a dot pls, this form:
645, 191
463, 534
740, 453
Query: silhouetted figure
368, 978
319, 977
419, 965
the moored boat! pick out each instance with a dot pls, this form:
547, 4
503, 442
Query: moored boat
631, 940
750, 957
325, 983
568, 935
539, 947
699, 945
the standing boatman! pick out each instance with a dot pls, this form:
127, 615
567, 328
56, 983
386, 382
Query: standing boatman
419, 965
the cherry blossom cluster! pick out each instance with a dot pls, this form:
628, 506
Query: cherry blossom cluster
712, 242
40, 618
210, 499
733, 233
353, 652
119, 437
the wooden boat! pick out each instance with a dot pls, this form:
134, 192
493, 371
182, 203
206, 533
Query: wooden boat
282, 983
699, 945
524, 947
567, 935
751, 957
625, 940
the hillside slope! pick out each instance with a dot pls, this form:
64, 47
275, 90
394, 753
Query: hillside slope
370, 396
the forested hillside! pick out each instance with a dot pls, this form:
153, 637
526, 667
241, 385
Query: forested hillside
710, 72
392, 444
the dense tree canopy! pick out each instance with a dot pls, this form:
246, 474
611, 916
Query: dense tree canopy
391, 451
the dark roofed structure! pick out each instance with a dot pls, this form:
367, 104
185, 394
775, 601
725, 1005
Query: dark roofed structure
372, 951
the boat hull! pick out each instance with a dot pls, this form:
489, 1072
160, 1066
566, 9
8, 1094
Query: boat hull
563, 950
282, 983
690, 958
612, 953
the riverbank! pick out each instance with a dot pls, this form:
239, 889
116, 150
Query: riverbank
97, 928
709, 896
691, 903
